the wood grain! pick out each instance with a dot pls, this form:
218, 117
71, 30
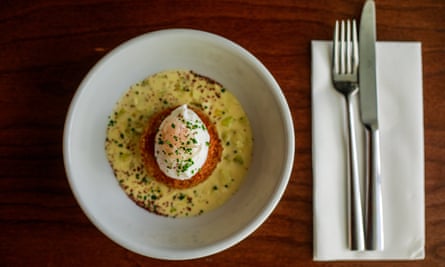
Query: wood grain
47, 47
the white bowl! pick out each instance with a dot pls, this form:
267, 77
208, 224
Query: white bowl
92, 180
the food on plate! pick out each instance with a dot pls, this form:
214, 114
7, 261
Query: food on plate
179, 143
186, 147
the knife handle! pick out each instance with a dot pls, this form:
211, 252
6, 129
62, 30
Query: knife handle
374, 232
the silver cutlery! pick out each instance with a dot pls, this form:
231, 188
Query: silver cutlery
369, 117
345, 63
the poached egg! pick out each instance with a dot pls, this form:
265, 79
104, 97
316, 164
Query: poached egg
181, 144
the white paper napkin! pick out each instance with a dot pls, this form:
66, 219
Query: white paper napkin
400, 109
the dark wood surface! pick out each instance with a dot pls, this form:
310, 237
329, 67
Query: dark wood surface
46, 48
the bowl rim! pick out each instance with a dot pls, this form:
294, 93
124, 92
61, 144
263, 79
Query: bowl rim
278, 191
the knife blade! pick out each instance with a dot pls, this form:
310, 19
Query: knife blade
369, 115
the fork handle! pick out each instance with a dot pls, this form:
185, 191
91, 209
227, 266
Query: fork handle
355, 214
374, 210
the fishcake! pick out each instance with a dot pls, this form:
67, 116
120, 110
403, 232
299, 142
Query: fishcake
148, 156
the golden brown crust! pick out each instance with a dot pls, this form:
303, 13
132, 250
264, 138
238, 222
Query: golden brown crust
147, 151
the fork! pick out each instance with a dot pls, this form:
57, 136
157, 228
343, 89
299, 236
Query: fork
345, 62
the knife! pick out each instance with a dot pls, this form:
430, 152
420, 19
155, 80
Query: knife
369, 117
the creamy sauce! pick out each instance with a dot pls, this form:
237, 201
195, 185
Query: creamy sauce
159, 92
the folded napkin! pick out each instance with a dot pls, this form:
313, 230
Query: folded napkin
399, 70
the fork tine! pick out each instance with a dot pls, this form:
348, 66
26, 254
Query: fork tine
348, 47
335, 49
342, 47
355, 56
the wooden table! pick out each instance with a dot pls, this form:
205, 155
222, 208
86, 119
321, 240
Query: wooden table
46, 48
